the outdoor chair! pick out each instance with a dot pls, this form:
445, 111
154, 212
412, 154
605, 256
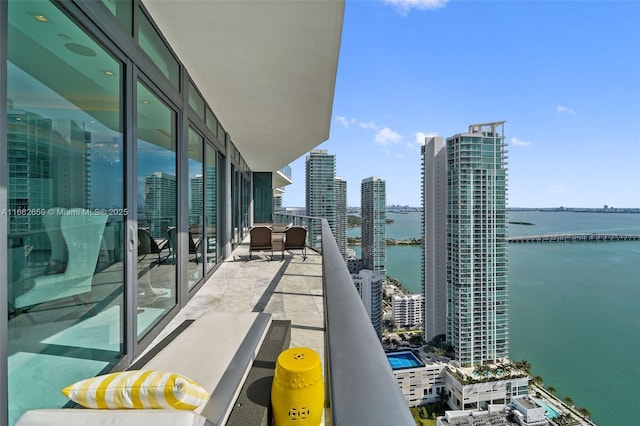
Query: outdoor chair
82, 235
193, 246
260, 240
148, 245
296, 239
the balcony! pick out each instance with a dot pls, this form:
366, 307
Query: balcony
326, 314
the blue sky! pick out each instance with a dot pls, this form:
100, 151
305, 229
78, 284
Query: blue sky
565, 75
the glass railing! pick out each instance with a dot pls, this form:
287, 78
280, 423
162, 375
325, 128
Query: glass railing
313, 225
361, 385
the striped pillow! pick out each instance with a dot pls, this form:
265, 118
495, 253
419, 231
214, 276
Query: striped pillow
138, 389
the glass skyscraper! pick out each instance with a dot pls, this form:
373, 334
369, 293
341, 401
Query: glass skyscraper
340, 188
374, 237
477, 319
320, 190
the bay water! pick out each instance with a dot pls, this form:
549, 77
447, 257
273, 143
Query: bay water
574, 307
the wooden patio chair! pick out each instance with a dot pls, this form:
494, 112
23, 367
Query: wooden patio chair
260, 240
295, 238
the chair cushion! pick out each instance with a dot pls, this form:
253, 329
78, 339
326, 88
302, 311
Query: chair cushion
73, 417
138, 389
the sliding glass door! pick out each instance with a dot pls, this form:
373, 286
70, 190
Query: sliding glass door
65, 261
157, 256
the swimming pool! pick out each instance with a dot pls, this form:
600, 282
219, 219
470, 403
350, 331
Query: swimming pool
403, 360
550, 412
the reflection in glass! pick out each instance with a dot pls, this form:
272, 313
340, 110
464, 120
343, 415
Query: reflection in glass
211, 121
244, 208
235, 204
122, 10
211, 219
221, 193
195, 101
157, 202
195, 240
65, 246
154, 46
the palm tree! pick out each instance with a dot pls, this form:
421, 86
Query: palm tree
568, 400
584, 411
523, 365
526, 365
552, 390
538, 380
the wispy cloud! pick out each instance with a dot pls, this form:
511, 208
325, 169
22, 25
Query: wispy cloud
387, 136
369, 125
565, 110
406, 5
344, 121
518, 142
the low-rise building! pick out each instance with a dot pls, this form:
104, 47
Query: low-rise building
407, 309
421, 381
469, 389
521, 411
424, 379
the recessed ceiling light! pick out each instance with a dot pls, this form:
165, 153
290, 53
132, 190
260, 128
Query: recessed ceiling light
80, 49
108, 72
40, 17
18, 119
146, 102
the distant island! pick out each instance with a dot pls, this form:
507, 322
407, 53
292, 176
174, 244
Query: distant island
356, 241
605, 209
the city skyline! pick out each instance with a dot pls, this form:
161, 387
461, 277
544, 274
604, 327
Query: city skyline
567, 88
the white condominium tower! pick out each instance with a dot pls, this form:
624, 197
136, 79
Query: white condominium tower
369, 286
407, 310
434, 237
340, 233
477, 317
374, 237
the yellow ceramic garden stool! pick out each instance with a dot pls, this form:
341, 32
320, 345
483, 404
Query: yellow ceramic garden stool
297, 392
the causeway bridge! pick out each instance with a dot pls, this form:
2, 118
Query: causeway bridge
571, 238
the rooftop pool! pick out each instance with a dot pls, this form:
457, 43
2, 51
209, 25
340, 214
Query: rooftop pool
403, 360
550, 412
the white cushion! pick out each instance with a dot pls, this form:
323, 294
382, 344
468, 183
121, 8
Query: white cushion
80, 417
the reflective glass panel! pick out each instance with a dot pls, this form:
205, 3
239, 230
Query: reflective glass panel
195, 101
154, 46
196, 237
65, 227
157, 206
211, 219
122, 10
211, 121
221, 193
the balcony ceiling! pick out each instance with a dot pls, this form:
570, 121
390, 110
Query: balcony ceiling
267, 68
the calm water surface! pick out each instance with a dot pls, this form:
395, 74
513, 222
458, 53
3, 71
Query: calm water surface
574, 307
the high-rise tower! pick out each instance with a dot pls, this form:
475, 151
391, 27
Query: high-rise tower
434, 237
374, 237
340, 188
320, 178
159, 202
477, 317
